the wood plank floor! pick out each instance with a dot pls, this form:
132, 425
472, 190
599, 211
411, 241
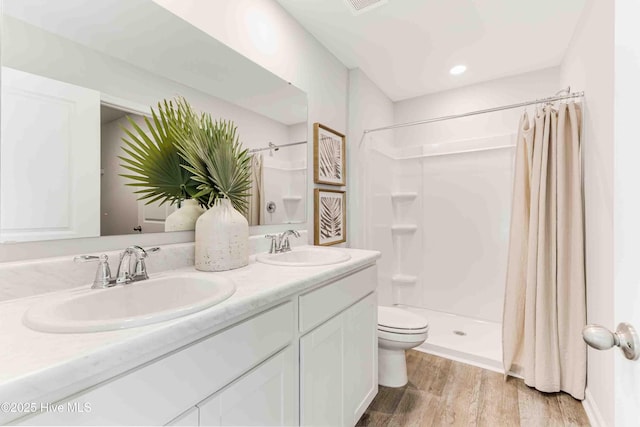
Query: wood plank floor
442, 392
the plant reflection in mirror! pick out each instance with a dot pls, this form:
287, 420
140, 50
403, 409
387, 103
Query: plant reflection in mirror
214, 156
152, 155
184, 155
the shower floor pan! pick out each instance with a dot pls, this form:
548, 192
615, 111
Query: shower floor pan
463, 339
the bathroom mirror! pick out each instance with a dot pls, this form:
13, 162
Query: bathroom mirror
73, 70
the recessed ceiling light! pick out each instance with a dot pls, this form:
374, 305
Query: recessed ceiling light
457, 70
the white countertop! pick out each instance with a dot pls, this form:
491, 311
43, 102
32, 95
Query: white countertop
45, 367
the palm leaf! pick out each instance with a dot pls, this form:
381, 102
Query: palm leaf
214, 158
153, 157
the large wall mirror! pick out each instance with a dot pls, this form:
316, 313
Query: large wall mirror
74, 72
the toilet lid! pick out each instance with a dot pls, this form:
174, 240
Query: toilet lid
397, 319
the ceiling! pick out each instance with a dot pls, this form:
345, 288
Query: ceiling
408, 46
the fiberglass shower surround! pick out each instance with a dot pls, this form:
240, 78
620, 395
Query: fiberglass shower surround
440, 215
441, 220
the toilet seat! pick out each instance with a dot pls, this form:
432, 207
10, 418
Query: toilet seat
414, 338
398, 321
403, 331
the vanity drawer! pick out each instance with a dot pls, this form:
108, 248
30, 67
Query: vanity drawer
323, 303
161, 390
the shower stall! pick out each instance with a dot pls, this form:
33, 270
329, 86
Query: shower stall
438, 203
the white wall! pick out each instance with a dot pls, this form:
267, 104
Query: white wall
589, 66
264, 32
510, 90
298, 153
369, 108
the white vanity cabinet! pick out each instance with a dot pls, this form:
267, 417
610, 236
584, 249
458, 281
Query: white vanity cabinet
266, 396
167, 389
310, 359
338, 359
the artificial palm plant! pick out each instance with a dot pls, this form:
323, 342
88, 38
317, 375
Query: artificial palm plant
160, 172
214, 157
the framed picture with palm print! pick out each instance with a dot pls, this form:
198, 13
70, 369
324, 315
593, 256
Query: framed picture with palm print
329, 156
330, 217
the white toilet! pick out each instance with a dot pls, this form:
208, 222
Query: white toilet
398, 330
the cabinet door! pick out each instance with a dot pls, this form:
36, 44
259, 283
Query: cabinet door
321, 375
360, 357
49, 159
266, 396
339, 367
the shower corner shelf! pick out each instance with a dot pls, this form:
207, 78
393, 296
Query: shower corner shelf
403, 195
404, 228
404, 279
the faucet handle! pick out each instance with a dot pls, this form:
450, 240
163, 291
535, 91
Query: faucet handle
140, 270
275, 242
294, 232
285, 245
103, 275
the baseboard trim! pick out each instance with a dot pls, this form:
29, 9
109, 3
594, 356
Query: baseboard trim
592, 410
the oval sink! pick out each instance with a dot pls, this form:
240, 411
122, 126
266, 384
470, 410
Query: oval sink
128, 306
305, 257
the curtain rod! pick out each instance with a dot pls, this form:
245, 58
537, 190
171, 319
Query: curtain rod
273, 146
475, 113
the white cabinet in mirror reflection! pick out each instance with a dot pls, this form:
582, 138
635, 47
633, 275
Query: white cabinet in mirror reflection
50, 159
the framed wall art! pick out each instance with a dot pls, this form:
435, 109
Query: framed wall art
330, 217
329, 156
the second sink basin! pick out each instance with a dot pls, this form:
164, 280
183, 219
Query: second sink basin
127, 306
305, 257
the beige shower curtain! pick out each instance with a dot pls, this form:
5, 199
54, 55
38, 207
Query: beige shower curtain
545, 307
254, 210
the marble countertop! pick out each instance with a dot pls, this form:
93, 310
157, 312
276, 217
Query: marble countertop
44, 367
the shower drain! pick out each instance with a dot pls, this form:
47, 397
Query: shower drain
460, 333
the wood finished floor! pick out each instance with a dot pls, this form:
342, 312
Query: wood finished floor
442, 392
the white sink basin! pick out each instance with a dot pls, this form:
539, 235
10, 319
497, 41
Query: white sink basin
128, 306
305, 257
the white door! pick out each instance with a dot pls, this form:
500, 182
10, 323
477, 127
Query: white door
266, 396
627, 204
151, 217
49, 159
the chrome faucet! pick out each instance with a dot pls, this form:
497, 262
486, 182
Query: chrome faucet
103, 277
280, 242
125, 275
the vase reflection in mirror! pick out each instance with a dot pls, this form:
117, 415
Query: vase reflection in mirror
184, 218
